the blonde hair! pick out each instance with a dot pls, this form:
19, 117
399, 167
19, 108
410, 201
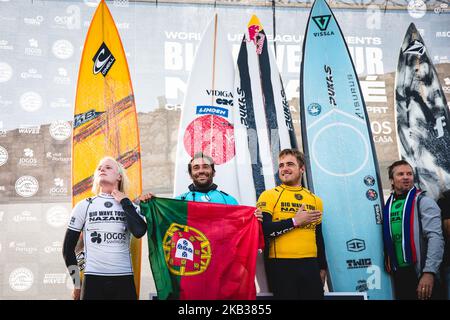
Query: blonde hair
124, 183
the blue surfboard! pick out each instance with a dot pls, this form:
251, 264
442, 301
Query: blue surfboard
341, 163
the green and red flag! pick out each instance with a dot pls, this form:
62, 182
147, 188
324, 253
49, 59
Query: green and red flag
201, 250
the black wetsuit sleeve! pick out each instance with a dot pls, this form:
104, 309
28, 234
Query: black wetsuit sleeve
68, 251
135, 223
321, 257
275, 228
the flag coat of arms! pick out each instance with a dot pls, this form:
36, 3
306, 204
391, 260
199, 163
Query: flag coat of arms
202, 251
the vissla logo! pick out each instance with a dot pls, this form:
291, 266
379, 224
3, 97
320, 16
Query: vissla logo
103, 60
322, 21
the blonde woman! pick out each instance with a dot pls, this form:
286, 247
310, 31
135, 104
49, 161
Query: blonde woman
107, 221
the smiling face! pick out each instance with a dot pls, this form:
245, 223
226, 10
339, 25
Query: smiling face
402, 179
289, 170
107, 175
202, 173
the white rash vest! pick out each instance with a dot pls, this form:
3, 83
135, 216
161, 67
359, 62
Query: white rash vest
105, 234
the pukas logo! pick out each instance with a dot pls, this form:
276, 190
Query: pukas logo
103, 60
322, 23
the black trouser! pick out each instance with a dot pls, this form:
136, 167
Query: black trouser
108, 288
406, 282
297, 279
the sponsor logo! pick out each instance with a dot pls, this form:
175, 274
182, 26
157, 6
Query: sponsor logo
314, 109
83, 118
57, 216
3, 156
219, 93
330, 85
242, 107
5, 103
378, 214
256, 37
187, 250
356, 245
372, 195
54, 278
35, 21
59, 189
446, 86
121, 3
322, 22
361, 286
72, 21
443, 8
441, 59
106, 216
26, 186
443, 34
359, 263
31, 74
4, 45
416, 47
212, 110
62, 49
103, 60
108, 204
31, 101
96, 237
287, 112
123, 26
21, 279
91, 3
60, 103
5, 72
108, 237
62, 77
417, 8
80, 260
369, 181
55, 247
25, 216
60, 130
57, 157
298, 196
21, 247
28, 159
23, 129
33, 49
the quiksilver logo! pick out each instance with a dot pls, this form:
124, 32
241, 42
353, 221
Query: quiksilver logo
103, 60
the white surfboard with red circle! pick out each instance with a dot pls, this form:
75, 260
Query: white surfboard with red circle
207, 117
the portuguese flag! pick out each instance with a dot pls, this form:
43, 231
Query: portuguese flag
201, 250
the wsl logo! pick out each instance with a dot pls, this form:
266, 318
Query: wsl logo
322, 23
103, 60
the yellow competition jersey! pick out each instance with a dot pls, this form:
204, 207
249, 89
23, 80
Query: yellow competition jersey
283, 203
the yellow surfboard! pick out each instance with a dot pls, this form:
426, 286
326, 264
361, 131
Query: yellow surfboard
105, 119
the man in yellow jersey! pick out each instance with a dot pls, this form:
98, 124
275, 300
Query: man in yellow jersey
292, 216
